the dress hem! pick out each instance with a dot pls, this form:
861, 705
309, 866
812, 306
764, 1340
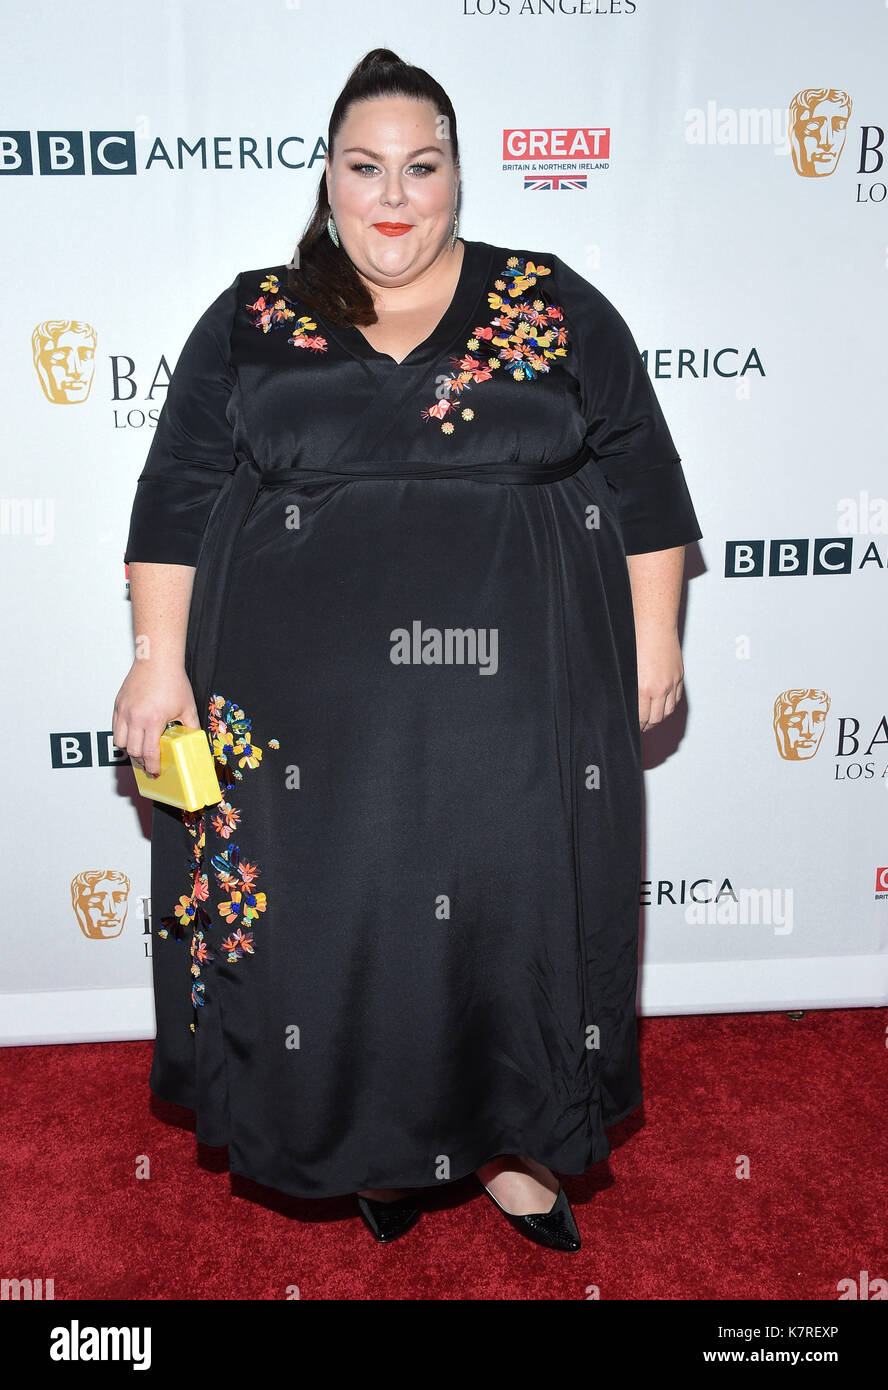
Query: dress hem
300, 1193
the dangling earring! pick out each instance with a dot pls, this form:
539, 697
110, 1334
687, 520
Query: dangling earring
331, 228
455, 229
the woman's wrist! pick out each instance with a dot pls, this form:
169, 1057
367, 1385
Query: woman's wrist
161, 661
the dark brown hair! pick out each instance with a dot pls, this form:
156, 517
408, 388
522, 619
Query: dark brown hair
320, 275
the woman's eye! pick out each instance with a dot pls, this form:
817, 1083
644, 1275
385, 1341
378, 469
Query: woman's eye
426, 168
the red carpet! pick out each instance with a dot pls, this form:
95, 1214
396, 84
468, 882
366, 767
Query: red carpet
664, 1218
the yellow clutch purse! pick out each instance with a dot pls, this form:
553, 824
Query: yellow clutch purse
187, 771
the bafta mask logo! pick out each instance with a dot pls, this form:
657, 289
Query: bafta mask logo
799, 721
64, 357
100, 900
818, 119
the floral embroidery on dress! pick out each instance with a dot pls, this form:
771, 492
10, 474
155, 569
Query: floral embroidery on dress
234, 749
527, 336
274, 309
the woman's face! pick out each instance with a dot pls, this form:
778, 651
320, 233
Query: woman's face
392, 164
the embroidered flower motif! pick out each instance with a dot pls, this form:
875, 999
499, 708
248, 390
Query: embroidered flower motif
185, 909
274, 309
238, 944
528, 337
233, 750
226, 819
200, 953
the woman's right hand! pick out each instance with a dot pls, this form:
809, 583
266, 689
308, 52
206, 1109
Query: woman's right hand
148, 699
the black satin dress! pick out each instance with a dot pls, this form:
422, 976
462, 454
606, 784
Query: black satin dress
406, 940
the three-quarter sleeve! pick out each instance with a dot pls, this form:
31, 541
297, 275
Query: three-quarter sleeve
192, 451
627, 431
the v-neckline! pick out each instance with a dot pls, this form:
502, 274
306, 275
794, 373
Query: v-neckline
473, 272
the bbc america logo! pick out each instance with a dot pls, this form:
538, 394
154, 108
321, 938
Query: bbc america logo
66, 152
793, 556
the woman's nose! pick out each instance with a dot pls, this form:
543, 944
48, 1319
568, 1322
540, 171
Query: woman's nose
393, 192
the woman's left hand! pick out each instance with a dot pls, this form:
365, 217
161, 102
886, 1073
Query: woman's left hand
660, 673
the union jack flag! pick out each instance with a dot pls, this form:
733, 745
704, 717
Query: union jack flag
546, 182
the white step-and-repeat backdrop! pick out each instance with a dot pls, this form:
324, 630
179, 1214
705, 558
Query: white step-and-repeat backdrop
718, 171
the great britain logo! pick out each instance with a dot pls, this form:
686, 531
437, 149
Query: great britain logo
556, 159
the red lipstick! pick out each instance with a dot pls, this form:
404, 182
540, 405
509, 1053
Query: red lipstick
392, 228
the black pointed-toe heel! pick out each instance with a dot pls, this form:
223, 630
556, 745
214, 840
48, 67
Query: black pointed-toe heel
555, 1228
388, 1220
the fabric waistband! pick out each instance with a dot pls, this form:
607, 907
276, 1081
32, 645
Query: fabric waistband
479, 472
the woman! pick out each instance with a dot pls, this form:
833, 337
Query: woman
408, 543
